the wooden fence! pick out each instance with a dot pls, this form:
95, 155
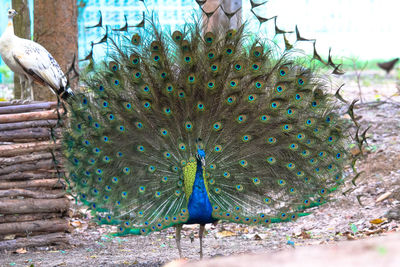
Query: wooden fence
33, 205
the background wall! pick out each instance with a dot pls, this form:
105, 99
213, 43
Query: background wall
367, 29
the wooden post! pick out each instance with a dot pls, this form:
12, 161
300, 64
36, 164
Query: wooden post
56, 28
22, 28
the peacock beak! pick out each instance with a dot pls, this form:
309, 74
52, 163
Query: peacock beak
203, 162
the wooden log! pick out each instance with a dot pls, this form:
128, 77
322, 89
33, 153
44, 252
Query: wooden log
26, 158
29, 133
61, 170
28, 124
27, 175
30, 194
21, 206
16, 102
35, 241
47, 183
20, 149
28, 107
45, 164
28, 217
46, 226
29, 116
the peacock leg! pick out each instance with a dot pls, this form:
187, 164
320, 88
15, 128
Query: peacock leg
178, 239
22, 83
31, 89
28, 88
30, 83
202, 227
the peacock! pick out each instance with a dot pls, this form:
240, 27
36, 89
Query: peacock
32, 62
193, 127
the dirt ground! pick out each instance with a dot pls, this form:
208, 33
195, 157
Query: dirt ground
338, 221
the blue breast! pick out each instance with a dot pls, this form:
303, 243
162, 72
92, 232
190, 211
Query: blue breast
199, 206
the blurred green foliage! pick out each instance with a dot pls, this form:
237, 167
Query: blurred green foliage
6, 74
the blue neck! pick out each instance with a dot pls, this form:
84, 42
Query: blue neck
199, 205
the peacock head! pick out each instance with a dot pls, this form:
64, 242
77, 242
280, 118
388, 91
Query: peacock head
12, 13
200, 154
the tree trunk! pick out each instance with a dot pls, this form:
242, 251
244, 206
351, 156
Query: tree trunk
22, 28
232, 6
56, 28
219, 19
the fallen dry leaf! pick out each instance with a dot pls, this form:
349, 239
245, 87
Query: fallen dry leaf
225, 234
349, 236
355, 151
21, 251
253, 236
383, 197
304, 234
76, 224
378, 221
9, 237
176, 263
377, 231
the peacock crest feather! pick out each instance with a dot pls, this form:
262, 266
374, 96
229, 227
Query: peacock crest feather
194, 127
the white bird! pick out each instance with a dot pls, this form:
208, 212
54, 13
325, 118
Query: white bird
32, 62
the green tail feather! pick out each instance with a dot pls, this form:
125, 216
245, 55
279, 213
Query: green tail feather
274, 142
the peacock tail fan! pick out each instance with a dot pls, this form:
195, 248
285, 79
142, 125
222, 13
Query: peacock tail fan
273, 138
